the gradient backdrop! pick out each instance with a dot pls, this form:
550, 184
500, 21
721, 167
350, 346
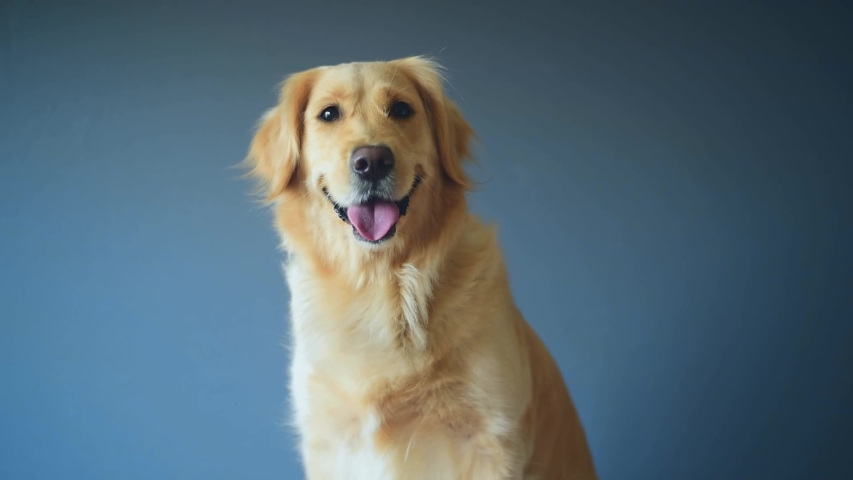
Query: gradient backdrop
671, 186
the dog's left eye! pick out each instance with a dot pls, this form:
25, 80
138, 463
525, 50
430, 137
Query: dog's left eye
400, 110
330, 114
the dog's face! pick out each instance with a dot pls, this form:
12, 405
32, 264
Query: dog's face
364, 153
367, 145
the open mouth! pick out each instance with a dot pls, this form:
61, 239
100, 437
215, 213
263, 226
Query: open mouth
375, 220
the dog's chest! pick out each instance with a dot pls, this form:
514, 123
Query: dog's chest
346, 349
357, 435
422, 427
358, 442
371, 454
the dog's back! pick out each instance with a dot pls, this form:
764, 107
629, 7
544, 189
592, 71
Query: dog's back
558, 442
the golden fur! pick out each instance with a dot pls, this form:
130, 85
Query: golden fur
410, 358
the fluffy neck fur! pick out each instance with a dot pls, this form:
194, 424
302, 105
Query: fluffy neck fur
399, 294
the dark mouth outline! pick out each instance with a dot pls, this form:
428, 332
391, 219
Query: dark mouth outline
402, 205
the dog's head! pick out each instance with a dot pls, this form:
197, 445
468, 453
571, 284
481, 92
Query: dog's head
363, 157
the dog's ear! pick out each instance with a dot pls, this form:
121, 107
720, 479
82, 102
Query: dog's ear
452, 133
274, 153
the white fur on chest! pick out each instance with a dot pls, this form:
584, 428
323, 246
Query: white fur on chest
353, 348
349, 433
412, 456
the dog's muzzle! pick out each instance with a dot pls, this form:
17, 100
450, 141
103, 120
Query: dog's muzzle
374, 220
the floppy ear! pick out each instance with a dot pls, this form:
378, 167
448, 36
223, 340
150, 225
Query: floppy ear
452, 133
274, 153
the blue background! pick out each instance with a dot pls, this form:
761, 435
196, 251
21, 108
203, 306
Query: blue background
671, 187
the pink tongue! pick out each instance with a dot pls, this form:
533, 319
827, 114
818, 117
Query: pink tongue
375, 219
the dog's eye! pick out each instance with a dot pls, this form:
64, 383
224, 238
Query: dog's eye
330, 114
400, 110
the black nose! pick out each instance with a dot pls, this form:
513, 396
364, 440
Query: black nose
372, 163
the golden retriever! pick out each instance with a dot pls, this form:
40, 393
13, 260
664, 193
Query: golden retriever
410, 358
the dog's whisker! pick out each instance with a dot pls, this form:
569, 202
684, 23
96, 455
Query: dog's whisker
427, 185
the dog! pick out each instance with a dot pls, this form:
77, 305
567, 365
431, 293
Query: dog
410, 359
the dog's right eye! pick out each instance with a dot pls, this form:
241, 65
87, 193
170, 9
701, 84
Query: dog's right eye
330, 114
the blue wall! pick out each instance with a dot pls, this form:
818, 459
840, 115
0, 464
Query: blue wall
672, 191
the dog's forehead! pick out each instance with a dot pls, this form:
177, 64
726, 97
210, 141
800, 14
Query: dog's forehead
362, 79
